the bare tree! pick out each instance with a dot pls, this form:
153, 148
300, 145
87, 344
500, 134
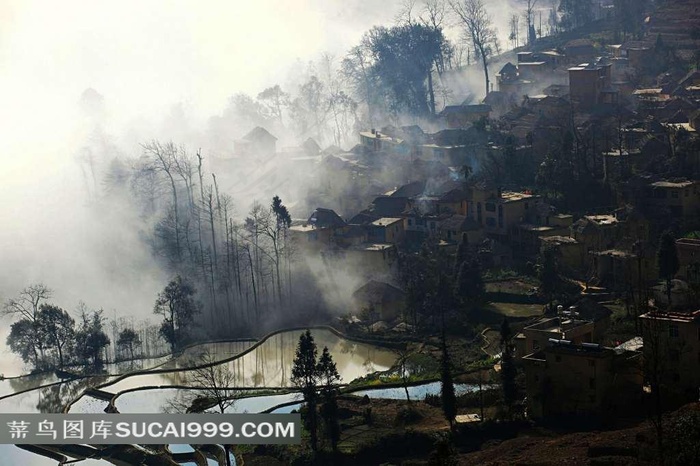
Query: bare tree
216, 383
163, 160
402, 357
406, 13
514, 31
478, 29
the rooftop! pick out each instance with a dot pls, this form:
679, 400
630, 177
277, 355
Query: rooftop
685, 317
371, 247
559, 240
673, 184
386, 221
510, 196
557, 325
602, 219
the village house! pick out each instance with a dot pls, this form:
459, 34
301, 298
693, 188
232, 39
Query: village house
371, 260
534, 337
317, 232
672, 346
453, 228
499, 211
590, 84
571, 254
688, 250
566, 379
257, 143
596, 232
386, 230
462, 116
680, 198
618, 269
536, 225
454, 201
375, 141
579, 51
387, 301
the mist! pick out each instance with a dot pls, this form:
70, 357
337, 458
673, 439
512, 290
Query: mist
160, 73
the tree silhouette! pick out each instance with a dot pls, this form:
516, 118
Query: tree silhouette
447, 390
508, 370
305, 377
177, 306
667, 257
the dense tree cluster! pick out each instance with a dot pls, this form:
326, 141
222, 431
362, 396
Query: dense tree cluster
241, 268
46, 336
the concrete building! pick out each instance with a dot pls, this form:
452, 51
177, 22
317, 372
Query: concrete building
680, 198
688, 250
534, 337
498, 212
672, 348
590, 84
588, 380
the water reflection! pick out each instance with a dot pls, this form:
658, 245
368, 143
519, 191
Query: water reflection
55, 399
217, 351
9, 386
269, 364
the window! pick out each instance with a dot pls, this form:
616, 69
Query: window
410, 222
591, 363
490, 222
673, 331
490, 207
686, 192
432, 225
537, 378
674, 355
527, 206
591, 383
674, 194
535, 345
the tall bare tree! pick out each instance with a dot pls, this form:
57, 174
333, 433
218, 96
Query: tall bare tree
163, 160
478, 29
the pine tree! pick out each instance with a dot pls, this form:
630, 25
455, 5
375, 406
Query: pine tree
329, 377
449, 400
305, 377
